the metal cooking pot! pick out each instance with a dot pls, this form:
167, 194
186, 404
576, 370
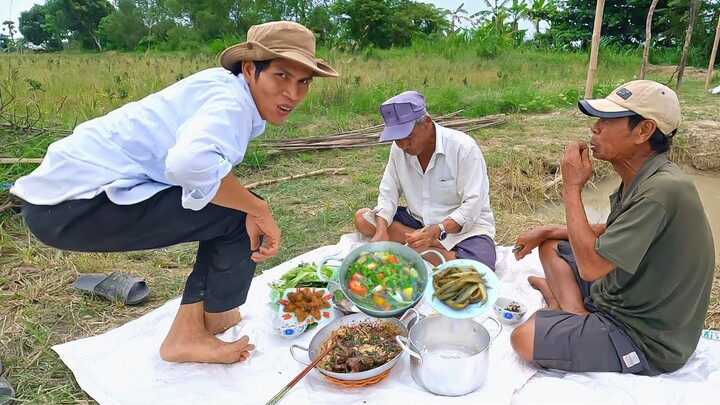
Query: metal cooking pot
324, 334
392, 247
449, 356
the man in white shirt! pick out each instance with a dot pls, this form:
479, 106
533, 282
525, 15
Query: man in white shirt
442, 174
158, 172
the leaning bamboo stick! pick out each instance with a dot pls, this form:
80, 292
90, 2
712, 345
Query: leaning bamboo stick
333, 170
709, 73
599, 7
648, 36
686, 46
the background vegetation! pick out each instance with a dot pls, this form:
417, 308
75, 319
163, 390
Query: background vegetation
210, 25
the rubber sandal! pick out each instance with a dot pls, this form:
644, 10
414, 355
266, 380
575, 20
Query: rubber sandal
6, 390
116, 286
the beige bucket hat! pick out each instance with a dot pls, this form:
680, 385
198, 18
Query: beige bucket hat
278, 39
649, 99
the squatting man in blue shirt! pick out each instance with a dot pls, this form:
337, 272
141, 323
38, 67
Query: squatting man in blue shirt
158, 172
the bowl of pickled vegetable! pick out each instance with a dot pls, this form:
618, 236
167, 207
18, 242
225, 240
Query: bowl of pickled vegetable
382, 279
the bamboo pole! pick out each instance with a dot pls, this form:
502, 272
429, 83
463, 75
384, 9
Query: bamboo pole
333, 170
686, 47
599, 7
11, 161
708, 76
648, 36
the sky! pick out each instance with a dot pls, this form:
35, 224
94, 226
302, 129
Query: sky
11, 9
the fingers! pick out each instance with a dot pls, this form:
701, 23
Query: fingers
253, 232
254, 241
264, 253
418, 239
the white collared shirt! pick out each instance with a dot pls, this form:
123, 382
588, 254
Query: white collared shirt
189, 134
455, 185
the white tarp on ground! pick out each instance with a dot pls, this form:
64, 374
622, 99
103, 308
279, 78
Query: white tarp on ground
122, 366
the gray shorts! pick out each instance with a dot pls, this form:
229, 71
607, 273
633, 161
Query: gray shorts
480, 248
592, 342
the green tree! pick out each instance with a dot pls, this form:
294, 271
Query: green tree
624, 24
209, 19
80, 18
517, 11
124, 28
386, 23
496, 13
36, 28
154, 14
10, 28
322, 23
538, 11
460, 16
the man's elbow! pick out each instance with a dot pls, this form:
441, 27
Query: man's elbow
191, 170
589, 276
594, 272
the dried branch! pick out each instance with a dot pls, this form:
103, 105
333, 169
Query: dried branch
334, 170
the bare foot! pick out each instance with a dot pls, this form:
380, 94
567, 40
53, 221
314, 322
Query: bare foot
541, 285
205, 348
216, 323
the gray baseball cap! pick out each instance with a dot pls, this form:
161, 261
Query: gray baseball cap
400, 113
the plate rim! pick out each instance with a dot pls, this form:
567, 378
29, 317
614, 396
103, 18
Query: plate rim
469, 311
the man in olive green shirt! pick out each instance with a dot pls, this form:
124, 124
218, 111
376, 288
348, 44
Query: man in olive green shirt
630, 295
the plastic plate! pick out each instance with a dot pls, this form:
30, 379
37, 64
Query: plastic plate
471, 311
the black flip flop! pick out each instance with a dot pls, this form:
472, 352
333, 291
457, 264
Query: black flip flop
6, 390
116, 286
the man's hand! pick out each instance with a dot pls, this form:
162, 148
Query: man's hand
263, 225
423, 238
528, 241
575, 165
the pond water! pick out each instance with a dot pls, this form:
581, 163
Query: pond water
597, 204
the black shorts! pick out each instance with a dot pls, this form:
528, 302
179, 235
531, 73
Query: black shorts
592, 342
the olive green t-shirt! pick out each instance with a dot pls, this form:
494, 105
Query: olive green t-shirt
659, 238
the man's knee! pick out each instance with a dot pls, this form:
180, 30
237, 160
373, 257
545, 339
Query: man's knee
522, 339
361, 223
548, 249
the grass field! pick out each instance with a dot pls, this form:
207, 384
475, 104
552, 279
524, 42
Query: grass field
537, 90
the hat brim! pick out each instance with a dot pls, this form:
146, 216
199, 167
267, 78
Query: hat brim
603, 108
397, 132
250, 50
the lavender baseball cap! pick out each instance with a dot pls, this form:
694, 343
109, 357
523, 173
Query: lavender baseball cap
400, 113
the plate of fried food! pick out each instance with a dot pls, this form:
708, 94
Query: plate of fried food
306, 305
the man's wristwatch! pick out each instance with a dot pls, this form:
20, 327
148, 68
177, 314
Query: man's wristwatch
443, 234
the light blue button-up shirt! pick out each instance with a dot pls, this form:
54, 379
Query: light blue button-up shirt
189, 134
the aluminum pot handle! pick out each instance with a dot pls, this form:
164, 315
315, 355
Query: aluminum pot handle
412, 319
436, 253
499, 327
299, 360
320, 265
405, 344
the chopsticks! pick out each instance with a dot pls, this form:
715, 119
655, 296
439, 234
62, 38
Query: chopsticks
274, 400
